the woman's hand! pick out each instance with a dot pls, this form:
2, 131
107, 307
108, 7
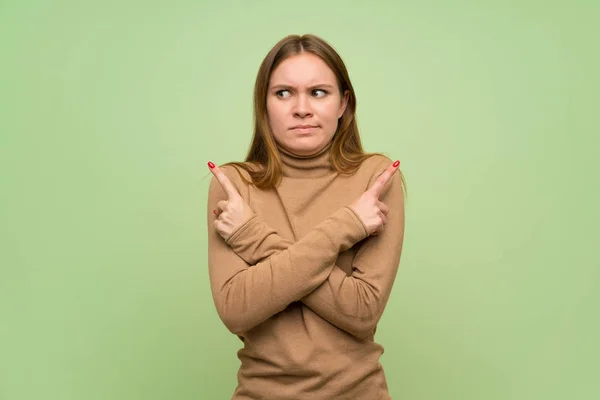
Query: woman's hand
373, 212
232, 213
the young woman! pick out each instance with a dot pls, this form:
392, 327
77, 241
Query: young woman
305, 236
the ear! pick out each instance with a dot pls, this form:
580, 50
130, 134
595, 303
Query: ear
343, 103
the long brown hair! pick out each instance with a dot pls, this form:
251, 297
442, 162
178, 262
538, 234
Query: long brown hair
262, 161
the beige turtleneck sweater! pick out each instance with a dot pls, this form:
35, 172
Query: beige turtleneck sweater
303, 285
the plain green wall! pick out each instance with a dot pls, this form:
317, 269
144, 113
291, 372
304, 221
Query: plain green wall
109, 112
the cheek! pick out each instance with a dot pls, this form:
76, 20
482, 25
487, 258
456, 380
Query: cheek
275, 114
329, 112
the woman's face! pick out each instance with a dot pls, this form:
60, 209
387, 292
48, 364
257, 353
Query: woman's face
304, 104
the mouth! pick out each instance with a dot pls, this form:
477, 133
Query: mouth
304, 128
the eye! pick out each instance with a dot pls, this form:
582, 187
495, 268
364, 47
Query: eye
321, 91
280, 93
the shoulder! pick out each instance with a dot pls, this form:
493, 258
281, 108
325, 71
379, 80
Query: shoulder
377, 161
375, 165
237, 171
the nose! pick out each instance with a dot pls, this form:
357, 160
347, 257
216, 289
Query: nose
302, 107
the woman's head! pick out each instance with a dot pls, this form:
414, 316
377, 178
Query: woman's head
304, 102
302, 81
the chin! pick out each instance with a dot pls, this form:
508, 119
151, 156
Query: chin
307, 148
305, 145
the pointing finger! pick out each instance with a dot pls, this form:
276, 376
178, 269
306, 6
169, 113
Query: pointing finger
383, 179
226, 184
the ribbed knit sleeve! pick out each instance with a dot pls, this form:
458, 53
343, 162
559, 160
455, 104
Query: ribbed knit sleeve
356, 302
246, 295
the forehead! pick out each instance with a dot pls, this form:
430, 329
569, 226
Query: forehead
302, 69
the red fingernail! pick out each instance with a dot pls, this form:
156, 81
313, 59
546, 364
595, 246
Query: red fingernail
211, 165
396, 163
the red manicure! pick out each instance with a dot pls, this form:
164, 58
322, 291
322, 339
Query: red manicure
211, 165
396, 164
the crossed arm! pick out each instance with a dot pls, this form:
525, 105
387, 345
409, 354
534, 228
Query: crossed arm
256, 273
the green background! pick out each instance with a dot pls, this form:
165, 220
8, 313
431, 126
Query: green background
109, 112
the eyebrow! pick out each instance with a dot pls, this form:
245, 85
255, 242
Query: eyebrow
320, 85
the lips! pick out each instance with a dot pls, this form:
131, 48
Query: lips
303, 126
303, 129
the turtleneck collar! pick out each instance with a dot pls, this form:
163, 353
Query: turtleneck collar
306, 166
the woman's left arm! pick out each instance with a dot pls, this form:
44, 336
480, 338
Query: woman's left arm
353, 302
356, 302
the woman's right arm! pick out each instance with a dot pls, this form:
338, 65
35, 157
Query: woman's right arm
246, 295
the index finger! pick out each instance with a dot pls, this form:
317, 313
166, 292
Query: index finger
383, 179
226, 184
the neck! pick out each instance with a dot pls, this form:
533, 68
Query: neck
306, 166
